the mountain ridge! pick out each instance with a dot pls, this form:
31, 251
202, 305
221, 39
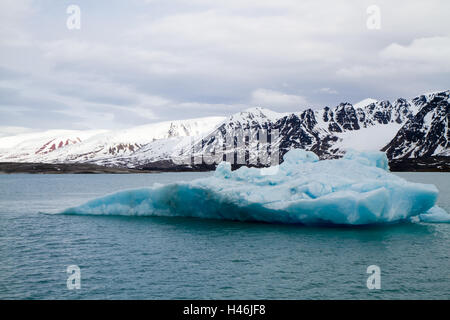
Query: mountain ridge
404, 129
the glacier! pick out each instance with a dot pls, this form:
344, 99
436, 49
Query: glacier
357, 189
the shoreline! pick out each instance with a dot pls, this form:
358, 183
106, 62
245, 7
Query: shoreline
431, 164
64, 168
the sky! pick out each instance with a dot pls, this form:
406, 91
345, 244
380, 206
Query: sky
142, 61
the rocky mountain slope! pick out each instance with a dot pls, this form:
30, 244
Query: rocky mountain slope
426, 134
97, 146
405, 129
328, 132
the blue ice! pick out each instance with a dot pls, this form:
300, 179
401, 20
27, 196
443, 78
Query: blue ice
435, 215
357, 189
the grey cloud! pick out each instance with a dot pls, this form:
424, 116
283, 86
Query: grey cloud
145, 61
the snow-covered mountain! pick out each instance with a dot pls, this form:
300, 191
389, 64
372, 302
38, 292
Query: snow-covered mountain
40, 145
403, 128
98, 146
365, 102
328, 132
426, 134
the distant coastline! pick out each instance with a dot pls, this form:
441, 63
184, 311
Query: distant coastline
61, 168
429, 164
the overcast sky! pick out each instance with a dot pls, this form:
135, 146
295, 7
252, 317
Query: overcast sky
140, 61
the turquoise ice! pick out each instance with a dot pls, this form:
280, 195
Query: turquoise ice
357, 189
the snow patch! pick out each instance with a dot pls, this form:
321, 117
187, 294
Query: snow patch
364, 103
372, 138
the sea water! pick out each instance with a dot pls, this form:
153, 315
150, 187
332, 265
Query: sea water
190, 258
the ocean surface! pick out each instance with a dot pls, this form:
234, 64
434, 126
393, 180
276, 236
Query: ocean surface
187, 258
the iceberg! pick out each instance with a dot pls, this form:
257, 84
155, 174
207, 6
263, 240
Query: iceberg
435, 215
357, 189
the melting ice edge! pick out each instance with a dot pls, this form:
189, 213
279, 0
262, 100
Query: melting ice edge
357, 189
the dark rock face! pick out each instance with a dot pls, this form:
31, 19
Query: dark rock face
294, 132
346, 117
426, 133
309, 119
402, 111
383, 114
303, 132
121, 147
332, 125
